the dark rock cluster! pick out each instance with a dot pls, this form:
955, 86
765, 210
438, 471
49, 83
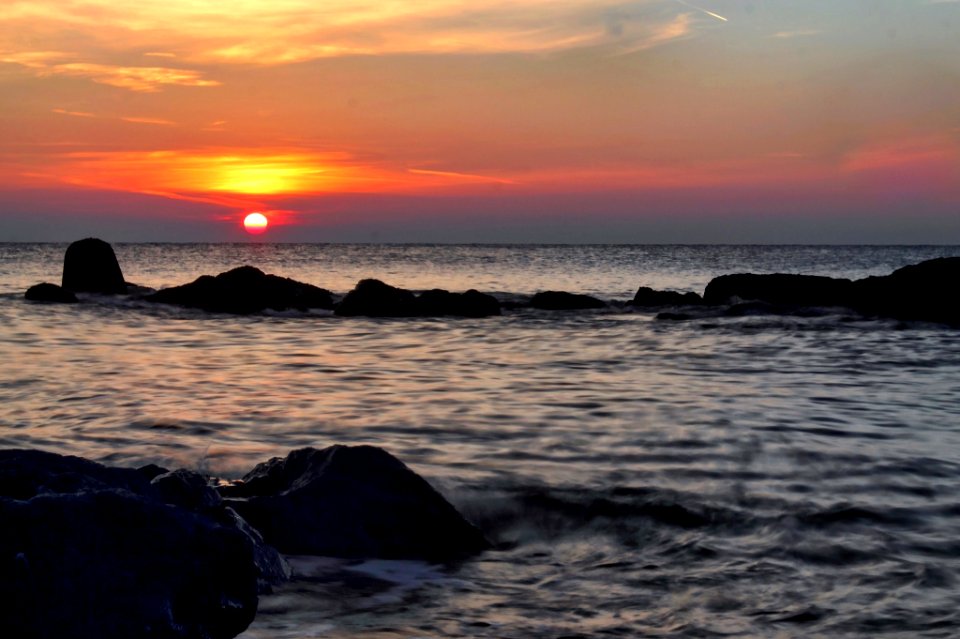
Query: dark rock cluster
373, 298
923, 292
242, 291
93, 552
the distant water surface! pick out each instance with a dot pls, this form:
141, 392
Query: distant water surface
742, 477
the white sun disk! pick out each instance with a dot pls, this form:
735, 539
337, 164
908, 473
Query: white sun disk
255, 223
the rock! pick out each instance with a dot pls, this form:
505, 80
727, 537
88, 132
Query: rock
437, 302
91, 552
186, 489
563, 301
926, 291
351, 501
242, 291
647, 297
47, 292
91, 266
373, 298
779, 289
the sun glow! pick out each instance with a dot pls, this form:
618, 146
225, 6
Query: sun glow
255, 223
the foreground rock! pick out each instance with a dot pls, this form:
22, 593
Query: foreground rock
91, 266
242, 291
563, 301
88, 551
357, 501
46, 292
373, 298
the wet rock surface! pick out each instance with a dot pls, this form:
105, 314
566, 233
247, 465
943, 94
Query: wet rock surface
373, 298
647, 297
242, 291
88, 551
564, 301
47, 292
351, 501
91, 266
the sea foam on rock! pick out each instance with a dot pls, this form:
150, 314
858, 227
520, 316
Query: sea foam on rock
351, 501
91, 266
88, 551
242, 291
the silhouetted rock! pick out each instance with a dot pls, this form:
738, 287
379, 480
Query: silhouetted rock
47, 292
779, 289
91, 552
926, 291
91, 266
242, 291
373, 298
649, 298
351, 501
563, 301
438, 302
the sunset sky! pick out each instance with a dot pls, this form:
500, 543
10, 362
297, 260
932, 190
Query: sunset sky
530, 120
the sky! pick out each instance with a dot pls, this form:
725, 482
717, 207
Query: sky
644, 121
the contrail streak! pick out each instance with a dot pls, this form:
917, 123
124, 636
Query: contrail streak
702, 10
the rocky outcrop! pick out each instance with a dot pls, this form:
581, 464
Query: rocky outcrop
373, 298
922, 292
88, 551
647, 297
779, 289
563, 301
351, 501
242, 291
46, 292
926, 291
438, 302
91, 266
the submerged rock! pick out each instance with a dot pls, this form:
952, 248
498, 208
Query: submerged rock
242, 291
473, 303
46, 292
91, 266
563, 301
91, 552
351, 501
647, 297
373, 298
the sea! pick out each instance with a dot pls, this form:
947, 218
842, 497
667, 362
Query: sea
756, 476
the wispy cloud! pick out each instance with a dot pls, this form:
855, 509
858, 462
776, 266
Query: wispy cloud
134, 78
157, 121
283, 31
144, 79
799, 33
78, 114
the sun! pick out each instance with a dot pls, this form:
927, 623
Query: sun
255, 223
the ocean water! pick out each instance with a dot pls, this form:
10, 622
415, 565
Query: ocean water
733, 477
